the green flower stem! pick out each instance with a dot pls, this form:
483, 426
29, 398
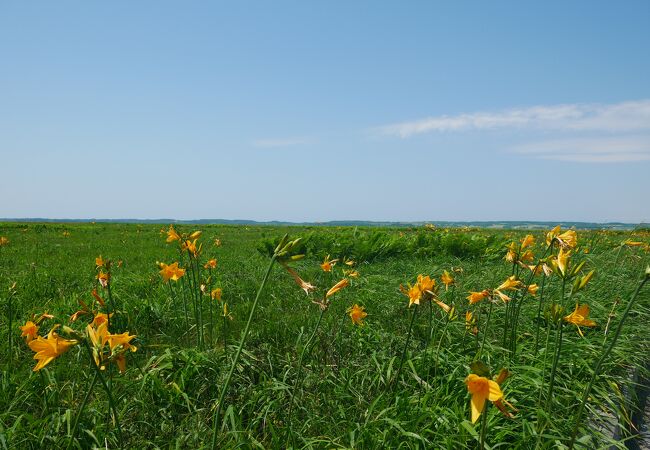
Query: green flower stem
539, 313
442, 336
406, 345
548, 338
224, 331
210, 300
485, 332
484, 424
111, 401
519, 304
73, 433
305, 349
11, 333
224, 389
556, 356
602, 358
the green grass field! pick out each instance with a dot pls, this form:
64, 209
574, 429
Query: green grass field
311, 380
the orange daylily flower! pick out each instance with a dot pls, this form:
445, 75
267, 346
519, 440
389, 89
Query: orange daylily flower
50, 348
579, 317
216, 294
357, 314
172, 235
104, 278
482, 389
475, 297
447, 279
568, 239
101, 318
414, 293
427, 285
562, 260
171, 271
527, 241
99, 261
211, 264
511, 284
550, 236
328, 264
337, 287
29, 331
532, 289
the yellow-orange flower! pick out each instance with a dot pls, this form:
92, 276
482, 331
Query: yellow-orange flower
47, 349
482, 389
196, 235
29, 331
511, 284
527, 256
527, 241
562, 260
414, 293
337, 287
103, 278
532, 289
427, 284
552, 234
191, 247
631, 243
568, 239
171, 272
211, 264
216, 294
3, 241
99, 261
122, 340
101, 318
579, 317
172, 235
475, 297
447, 279
328, 264
357, 314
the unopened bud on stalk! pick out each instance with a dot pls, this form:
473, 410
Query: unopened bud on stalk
282, 243
647, 272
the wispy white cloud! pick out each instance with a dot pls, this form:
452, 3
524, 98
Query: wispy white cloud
618, 117
593, 150
281, 142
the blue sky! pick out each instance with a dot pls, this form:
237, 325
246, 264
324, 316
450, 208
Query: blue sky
308, 111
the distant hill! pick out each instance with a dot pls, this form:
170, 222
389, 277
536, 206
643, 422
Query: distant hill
362, 223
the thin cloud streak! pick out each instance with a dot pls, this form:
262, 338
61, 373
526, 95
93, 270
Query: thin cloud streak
618, 117
281, 142
592, 150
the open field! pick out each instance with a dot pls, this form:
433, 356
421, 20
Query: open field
307, 375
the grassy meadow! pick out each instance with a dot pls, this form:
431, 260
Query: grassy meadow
313, 370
